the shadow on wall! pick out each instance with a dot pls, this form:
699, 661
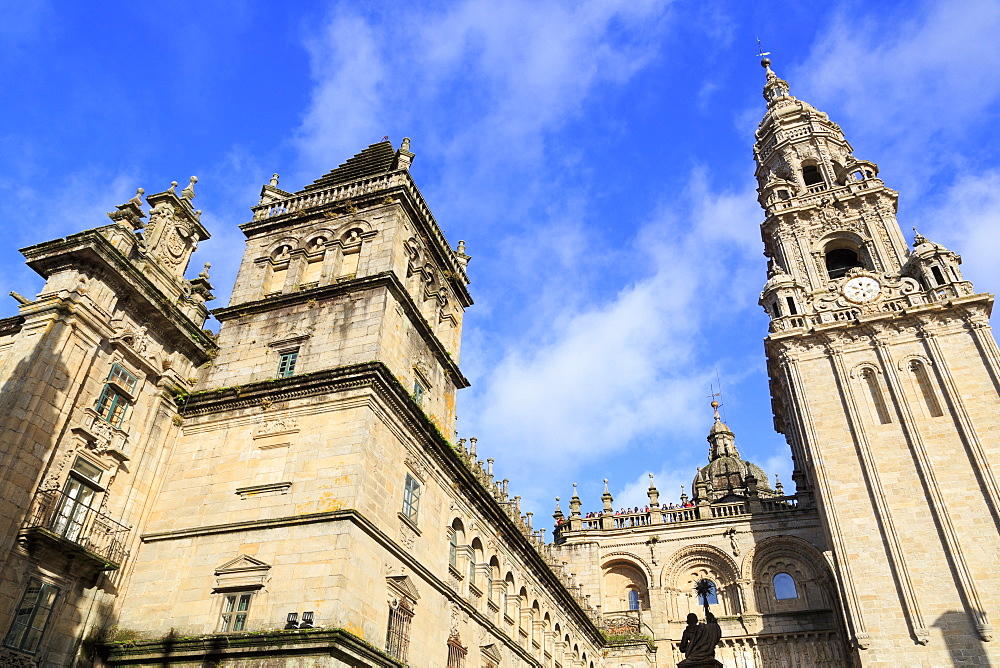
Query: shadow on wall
962, 640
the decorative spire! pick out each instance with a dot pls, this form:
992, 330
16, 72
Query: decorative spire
918, 238
137, 200
715, 408
775, 88
188, 192
274, 180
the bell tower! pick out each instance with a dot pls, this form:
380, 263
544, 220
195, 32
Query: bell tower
884, 377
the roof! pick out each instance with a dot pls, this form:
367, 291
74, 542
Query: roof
372, 161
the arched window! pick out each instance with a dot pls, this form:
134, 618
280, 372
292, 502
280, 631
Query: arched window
712, 597
923, 383
839, 260
784, 587
477, 558
456, 538
870, 379
633, 599
811, 175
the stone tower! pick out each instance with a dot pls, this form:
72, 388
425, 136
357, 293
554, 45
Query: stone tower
884, 377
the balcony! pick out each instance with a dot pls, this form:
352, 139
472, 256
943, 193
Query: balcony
60, 522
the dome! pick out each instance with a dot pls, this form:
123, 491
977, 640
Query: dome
726, 471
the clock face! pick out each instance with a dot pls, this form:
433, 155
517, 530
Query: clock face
862, 289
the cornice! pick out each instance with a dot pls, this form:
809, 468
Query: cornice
386, 279
269, 643
85, 249
396, 185
377, 377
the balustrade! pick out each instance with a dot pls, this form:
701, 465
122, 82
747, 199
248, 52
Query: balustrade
64, 520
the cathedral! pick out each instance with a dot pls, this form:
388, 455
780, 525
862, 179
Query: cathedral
290, 490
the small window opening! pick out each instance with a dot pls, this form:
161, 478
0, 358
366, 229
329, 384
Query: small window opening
875, 392
938, 276
711, 597
235, 608
839, 260
113, 403
923, 382
453, 549
456, 653
811, 175
791, 306
783, 194
858, 175
784, 587
633, 599
286, 365
418, 392
777, 308
397, 640
411, 498
31, 616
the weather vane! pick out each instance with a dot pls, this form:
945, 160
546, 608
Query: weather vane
761, 50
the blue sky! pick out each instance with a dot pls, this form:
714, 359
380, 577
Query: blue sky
595, 156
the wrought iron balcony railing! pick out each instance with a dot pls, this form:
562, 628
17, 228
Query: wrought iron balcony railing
74, 527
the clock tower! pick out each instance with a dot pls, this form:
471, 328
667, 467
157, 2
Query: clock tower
884, 377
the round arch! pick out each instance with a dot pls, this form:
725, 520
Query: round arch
690, 564
797, 558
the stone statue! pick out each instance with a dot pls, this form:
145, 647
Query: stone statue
698, 642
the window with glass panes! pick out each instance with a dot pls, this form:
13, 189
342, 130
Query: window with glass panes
286, 365
397, 637
31, 616
114, 401
234, 612
411, 498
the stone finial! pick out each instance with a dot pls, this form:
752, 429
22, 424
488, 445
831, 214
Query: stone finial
405, 146
173, 187
274, 180
489, 466
137, 200
606, 486
918, 238
574, 490
778, 487
472, 446
558, 509
204, 271
461, 247
188, 192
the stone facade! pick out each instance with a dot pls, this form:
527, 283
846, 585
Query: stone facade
287, 492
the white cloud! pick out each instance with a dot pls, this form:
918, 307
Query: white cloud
610, 373
910, 85
967, 221
494, 77
933, 71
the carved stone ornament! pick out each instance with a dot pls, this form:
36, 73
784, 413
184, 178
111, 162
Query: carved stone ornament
277, 426
407, 536
12, 659
418, 466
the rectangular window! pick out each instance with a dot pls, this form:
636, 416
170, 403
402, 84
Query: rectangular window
411, 498
397, 637
31, 616
234, 612
77, 499
418, 392
456, 653
113, 403
286, 365
122, 377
